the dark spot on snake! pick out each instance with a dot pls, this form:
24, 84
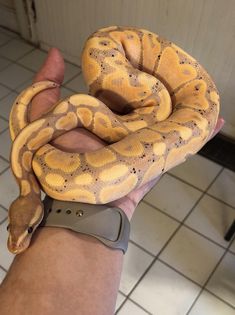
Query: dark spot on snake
30, 230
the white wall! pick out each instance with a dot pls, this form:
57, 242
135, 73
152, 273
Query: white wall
204, 28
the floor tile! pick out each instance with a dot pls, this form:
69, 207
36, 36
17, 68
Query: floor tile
8, 33
197, 171
3, 125
232, 247
4, 91
65, 92
15, 49
208, 304
135, 263
6, 257
70, 71
2, 275
192, 255
163, 291
120, 298
223, 187
33, 60
173, 197
15, 75
5, 148
211, 218
3, 163
4, 38
222, 283
131, 308
78, 85
6, 104
3, 214
150, 228
9, 190
23, 86
3, 62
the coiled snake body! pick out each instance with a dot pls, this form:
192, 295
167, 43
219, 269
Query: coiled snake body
149, 100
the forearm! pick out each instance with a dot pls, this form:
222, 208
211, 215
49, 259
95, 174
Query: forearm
62, 272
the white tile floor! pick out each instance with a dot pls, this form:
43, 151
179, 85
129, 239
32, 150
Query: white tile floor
177, 262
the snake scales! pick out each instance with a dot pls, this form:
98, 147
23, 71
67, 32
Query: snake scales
149, 100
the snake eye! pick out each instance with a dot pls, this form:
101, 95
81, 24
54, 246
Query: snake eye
30, 230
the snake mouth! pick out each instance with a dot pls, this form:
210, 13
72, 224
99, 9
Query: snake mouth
16, 247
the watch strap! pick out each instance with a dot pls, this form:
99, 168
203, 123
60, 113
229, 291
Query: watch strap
108, 224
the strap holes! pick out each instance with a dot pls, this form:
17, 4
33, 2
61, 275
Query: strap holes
58, 210
68, 211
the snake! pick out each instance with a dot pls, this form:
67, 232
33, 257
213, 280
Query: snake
151, 102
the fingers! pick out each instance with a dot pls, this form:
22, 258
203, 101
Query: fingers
53, 70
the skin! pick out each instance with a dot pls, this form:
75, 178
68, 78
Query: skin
90, 284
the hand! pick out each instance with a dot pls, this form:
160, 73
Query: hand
81, 140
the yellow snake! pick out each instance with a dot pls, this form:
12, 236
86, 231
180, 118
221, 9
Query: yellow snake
149, 100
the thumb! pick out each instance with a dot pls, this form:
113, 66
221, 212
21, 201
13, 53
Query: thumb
53, 70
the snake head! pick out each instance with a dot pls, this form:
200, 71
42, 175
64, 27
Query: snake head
25, 214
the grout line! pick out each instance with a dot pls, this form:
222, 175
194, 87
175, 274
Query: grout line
142, 248
78, 74
222, 201
3, 268
169, 240
205, 284
3, 118
6, 169
134, 302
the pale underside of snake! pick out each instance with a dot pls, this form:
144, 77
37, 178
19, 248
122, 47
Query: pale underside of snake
151, 102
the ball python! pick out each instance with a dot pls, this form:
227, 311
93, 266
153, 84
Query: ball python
149, 100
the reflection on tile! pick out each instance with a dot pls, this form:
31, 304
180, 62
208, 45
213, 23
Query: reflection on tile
222, 283
6, 257
135, 263
164, 291
223, 187
150, 228
173, 197
197, 171
208, 304
15, 49
131, 308
192, 254
211, 218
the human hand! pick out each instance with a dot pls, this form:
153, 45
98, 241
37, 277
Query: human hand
81, 140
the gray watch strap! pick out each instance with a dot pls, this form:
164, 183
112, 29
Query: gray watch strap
110, 225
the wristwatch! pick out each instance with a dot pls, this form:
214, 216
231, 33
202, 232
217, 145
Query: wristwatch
108, 224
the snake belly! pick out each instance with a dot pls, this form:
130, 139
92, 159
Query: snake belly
148, 99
